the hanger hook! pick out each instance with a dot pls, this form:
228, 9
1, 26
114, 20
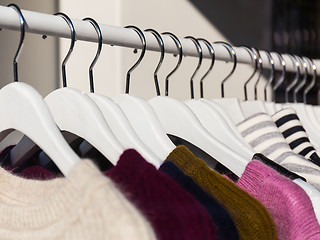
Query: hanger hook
260, 72
199, 50
179, 47
313, 81
98, 30
272, 74
161, 45
255, 58
300, 85
213, 58
73, 40
143, 51
295, 80
22, 34
233, 54
282, 77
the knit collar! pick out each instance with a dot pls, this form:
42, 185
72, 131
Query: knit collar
186, 160
133, 166
35, 204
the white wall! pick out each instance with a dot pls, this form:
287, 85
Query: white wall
38, 62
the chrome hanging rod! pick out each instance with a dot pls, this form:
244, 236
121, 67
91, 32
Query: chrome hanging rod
50, 25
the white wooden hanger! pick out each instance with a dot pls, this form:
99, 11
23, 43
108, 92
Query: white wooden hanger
306, 109
114, 116
29, 114
141, 115
231, 105
227, 119
298, 87
76, 112
251, 107
311, 109
311, 127
278, 106
205, 111
221, 114
24, 110
270, 105
122, 128
213, 121
179, 120
264, 106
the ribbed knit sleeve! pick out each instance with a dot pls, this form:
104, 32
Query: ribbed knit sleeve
289, 206
251, 218
173, 212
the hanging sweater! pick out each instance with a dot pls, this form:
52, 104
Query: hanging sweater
173, 212
246, 183
264, 136
289, 206
83, 205
250, 216
226, 228
296, 136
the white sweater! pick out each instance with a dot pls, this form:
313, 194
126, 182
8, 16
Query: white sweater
84, 205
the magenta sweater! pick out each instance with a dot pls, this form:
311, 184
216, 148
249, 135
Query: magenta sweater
287, 203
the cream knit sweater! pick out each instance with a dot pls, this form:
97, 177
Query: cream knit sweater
83, 205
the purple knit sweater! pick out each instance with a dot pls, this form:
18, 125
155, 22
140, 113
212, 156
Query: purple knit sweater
173, 212
287, 203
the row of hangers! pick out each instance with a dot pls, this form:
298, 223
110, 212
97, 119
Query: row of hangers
126, 121
308, 114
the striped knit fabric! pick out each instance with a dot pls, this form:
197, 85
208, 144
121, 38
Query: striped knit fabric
289, 124
263, 135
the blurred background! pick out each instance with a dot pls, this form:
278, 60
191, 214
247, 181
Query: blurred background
279, 25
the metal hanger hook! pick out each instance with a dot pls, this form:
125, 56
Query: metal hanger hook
98, 30
179, 47
20, 46
282, 77
233, 55
260, 72
255, 58
199, 50
300, 85
295, 80
313, 81
73, 40
213, 58
144, 46
272, 74
161, 45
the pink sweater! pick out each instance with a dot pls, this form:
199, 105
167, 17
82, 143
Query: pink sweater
289, 206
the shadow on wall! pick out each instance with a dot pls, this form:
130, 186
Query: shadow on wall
39, 63
245, 22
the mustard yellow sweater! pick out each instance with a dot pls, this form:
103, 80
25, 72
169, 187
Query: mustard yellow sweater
250, 216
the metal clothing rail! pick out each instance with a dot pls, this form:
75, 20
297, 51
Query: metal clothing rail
40, 23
